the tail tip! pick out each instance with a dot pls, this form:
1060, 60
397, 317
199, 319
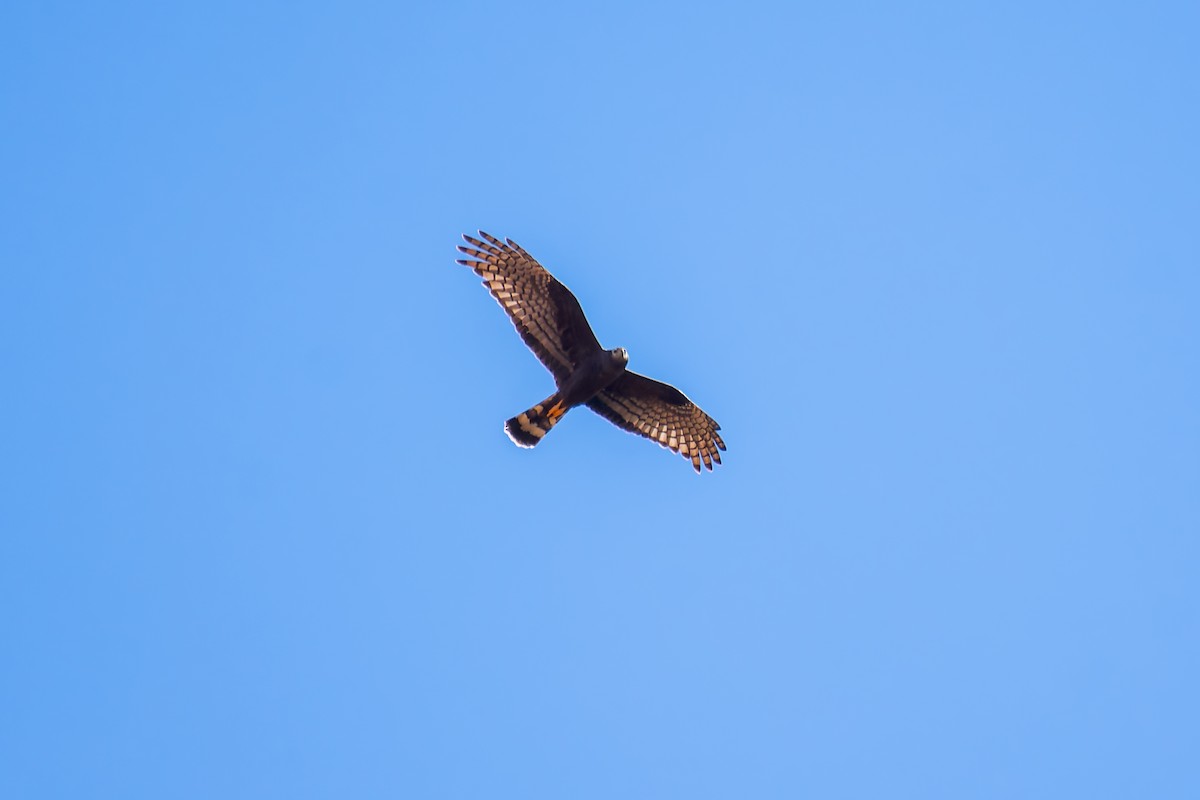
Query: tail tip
520, 432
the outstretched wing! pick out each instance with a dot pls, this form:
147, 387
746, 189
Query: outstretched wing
544, 312
662, 413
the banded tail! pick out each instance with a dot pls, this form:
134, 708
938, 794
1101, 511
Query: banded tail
527, 428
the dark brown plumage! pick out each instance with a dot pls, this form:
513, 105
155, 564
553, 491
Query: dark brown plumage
551, 322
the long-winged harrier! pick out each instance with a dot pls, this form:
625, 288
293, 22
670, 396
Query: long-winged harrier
551, 322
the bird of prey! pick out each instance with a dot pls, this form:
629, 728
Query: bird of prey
551, 321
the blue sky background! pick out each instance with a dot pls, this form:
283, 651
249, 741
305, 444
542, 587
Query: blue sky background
934, 267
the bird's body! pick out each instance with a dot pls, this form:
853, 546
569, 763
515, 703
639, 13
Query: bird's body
551, 322
594, 374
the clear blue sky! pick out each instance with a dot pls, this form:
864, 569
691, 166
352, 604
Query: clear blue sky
934, 267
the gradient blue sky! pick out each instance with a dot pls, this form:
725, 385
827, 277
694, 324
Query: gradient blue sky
934, 267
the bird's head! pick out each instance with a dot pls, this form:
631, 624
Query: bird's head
620, 356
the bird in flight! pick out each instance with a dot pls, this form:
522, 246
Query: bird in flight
551, 322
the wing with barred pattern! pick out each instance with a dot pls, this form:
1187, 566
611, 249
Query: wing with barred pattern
663, 414
545, 313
